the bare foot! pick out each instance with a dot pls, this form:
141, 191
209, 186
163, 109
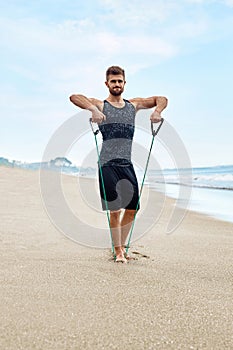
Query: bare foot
120, 255
127, 257
121, 259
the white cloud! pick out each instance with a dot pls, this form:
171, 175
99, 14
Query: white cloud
138, 13
55, 54
61, 57
229, 2
40, 51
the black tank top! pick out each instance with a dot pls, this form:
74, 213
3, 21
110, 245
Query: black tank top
117, 132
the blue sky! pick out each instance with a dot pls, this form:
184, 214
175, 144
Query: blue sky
181, 49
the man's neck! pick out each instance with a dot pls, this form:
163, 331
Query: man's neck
115, 99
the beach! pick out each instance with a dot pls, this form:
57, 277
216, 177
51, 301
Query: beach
58, 294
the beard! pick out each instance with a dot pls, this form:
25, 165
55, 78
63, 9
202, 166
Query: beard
116, 92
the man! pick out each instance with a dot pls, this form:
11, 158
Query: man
116, 117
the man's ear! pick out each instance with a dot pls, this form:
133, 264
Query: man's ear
106, 83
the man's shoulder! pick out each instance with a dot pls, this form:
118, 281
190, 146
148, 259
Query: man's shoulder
133, 101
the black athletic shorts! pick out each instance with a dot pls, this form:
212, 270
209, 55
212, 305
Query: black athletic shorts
121, 187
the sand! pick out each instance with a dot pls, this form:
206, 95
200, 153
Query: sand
57, 294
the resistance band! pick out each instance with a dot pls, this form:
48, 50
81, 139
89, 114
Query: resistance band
95, 132
154, 133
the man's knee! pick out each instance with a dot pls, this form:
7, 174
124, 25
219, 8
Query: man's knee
115, 215
130, 213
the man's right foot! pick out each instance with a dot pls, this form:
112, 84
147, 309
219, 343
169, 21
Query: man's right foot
121, 259
120, 255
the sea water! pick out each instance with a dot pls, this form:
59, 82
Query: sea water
211, 188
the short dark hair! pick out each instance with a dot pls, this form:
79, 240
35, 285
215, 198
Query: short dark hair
115, 70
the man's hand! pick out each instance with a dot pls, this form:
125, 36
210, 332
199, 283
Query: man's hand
97, 116
155, 117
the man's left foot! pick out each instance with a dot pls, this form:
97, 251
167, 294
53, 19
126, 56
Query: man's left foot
127, 257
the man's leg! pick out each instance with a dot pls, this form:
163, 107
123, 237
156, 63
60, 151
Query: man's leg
116, 234
126, 224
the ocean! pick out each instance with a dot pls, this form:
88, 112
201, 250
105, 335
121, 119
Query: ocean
211, 188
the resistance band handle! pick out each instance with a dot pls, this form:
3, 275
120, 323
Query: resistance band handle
95, 132
155, 132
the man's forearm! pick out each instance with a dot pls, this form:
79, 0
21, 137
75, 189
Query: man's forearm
82, 102
161, 103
